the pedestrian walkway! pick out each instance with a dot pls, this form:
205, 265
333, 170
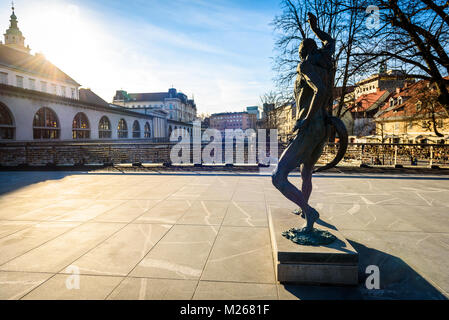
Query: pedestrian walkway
206, 236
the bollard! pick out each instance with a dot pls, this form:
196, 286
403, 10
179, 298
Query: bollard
395, 155
431, 157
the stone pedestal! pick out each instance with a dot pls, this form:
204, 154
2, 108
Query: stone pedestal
336, 263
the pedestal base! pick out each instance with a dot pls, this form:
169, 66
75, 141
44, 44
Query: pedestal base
336, 263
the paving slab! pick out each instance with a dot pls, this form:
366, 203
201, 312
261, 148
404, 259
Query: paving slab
181, 254
62, 287
127, 211
154, 289
205, 212
241, 254
10, 227
246, 213
27, 239
60, 252
119, 254
213, 290
168, 212
14, 285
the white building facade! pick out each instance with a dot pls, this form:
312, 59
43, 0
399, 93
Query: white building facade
40, 102
180, 110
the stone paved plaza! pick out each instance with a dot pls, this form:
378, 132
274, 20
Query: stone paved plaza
206, 236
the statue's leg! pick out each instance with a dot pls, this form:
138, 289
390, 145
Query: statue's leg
306, 178
289, 160
306, 173
309, 161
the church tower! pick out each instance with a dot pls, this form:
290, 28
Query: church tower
14, 37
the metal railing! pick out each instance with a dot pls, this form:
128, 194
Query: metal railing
384, 154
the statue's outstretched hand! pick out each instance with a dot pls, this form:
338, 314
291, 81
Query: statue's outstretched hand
313, 21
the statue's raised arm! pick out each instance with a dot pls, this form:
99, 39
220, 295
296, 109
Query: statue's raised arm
328, 49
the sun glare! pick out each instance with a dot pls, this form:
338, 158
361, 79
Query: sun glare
66, 38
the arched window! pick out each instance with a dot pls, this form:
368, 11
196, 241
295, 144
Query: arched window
122, 129
136, 129
80, 127
104, 128
147, 130
6, 123
169, 131
45, 124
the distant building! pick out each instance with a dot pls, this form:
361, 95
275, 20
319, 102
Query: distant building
363, 111
176, 104
382, 81
364, 100
180, 110
205, 123
254, 110
282, 118
406, 116
267, 107
233, 120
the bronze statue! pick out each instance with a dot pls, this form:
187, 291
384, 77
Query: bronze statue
313, 93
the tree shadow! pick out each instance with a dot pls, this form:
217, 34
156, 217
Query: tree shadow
15, 180
398, 281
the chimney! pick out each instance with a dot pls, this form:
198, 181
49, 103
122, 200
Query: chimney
398, 90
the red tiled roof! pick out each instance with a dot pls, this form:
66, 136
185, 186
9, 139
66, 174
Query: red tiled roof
368, 101
412, 94
35, 64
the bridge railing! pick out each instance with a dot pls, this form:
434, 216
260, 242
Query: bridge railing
378, 154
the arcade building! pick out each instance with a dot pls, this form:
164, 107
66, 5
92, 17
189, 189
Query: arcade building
39, 102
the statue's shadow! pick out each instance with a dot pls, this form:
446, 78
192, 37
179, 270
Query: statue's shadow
398, 281
325, 224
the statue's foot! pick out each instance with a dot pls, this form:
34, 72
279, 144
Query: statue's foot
311, 216
299, 212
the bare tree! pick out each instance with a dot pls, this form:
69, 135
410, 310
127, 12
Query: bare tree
427, 109
413, 33
340, 18
276, 98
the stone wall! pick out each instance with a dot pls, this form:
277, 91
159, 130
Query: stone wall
95, 152
98, 152
38, 154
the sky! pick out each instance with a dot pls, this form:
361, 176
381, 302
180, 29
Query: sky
217, 51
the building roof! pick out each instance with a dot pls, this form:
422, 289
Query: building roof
87, 95
122, 95
337, 91
34, 64
33, 94
227, 113
370, 101
412, 96
151, 96
388, 75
